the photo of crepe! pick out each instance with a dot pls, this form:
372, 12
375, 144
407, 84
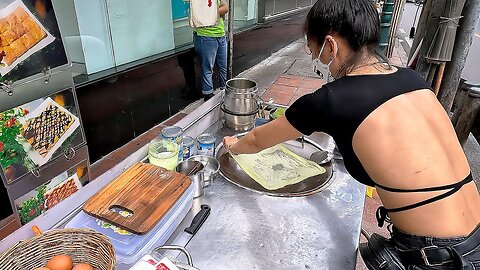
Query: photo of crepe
277, 167
46, 129
18, 33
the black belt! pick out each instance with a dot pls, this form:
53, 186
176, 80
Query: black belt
435, 256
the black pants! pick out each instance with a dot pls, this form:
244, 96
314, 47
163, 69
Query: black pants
405, 241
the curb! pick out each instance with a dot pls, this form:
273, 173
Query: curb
405, 40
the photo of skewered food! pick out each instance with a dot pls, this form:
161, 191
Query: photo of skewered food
18, 33
61, 192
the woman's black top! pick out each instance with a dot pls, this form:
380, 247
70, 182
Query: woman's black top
339, 107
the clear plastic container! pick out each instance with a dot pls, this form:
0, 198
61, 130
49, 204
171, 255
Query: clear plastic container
130, 247
163, 154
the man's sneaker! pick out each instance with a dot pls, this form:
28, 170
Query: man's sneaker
207, 96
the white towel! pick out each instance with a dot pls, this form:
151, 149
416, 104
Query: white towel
203, 13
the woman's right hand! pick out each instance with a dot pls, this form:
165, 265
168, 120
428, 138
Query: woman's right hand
229, 142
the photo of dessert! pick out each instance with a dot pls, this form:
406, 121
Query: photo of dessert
21, 35
45, 130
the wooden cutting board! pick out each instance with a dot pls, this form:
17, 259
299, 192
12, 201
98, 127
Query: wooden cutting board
144, 190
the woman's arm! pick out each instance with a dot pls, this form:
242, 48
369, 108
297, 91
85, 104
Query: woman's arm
262, 137
223, 9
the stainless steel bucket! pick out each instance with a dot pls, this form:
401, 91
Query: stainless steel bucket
240, 104
241, 96
239, 122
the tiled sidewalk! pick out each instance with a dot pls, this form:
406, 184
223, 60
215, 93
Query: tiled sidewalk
288, 88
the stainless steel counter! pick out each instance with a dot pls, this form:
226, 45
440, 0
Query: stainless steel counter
247, 230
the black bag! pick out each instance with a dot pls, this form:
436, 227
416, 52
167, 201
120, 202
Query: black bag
379, 253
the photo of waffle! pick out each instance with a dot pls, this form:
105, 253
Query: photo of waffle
61, 192
43, 131
19, 32
46, 129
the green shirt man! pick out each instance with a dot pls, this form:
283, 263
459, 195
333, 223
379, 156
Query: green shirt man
211, 48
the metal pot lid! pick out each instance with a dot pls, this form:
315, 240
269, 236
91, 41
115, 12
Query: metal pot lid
233, 173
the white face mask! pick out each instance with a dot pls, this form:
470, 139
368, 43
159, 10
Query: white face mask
321, 69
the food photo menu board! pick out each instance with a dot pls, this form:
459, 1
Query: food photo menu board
30, 40
48, 195
34, 133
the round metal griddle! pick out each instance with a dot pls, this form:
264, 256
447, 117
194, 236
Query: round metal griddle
233, 173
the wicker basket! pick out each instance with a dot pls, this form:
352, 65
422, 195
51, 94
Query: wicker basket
83, 246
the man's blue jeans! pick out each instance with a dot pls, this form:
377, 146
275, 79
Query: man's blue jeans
211, 51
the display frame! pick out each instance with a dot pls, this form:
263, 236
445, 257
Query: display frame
54, 169
42, 67
76, 138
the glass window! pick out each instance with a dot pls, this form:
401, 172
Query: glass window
94, 37
182, 31
104, 34
140, 28
245, 13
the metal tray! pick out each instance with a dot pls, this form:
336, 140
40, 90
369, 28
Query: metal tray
233, 173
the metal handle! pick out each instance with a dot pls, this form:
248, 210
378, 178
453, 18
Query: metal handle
260, 102
47, 74
179, 248
69, 153
6, 86
36, 172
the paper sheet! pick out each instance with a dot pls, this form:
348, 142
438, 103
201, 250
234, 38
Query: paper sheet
277, 167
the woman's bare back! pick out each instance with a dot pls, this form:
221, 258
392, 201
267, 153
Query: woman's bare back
409, 143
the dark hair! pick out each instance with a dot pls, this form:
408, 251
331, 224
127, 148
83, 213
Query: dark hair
357, 21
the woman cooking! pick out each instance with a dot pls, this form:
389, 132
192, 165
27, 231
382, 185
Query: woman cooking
393, 135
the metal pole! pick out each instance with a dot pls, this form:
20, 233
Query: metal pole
230, 37
467, 114
463, 41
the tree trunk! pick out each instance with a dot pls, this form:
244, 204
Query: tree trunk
436, 10
421, 27
467, 115
463, 42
